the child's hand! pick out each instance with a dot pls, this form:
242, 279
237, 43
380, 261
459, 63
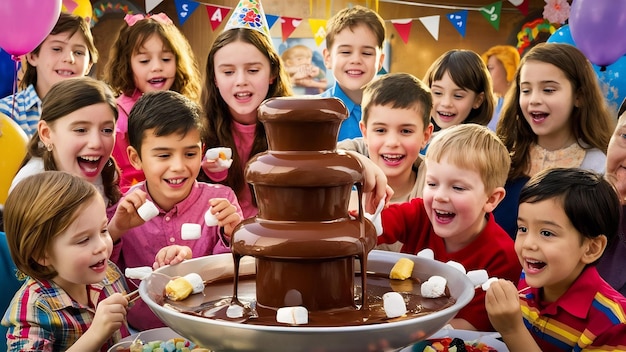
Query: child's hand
503, 307
217, 160
126, 216
375, 183
226, 215
110, 316
171, 255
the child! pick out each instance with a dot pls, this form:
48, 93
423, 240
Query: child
76, 135
150, 54
466, 167
68, 51
461, 87
502, 62
566, 217
303, 74
242, 70
72, 300
354, 43
555, 116
164, 132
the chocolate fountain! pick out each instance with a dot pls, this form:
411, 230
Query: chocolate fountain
304, 249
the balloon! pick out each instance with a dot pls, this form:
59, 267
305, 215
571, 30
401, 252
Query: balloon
13, 143
598, 28
24, 24
562, 35
7, 74
613, 83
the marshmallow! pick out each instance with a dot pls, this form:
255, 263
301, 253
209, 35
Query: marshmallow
234, 311
224, 163
180, 288
196, 282
426, 253
434, 287
219, 153
457, 265
147, 211
485, 286
478, 277
138, 273
190, 231
394, 304
297, 315
209, 218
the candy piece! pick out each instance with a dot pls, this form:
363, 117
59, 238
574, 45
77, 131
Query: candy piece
209, 218
224, 163
485, 286
402, 269
138, 273
426, 253
147, 211
457, 265
190, 231
434, 287
180, 288
478, 277
394, 304
234, 311
297, 315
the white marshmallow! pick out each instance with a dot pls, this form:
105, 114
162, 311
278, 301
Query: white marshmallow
478, 277
138, 273
375, 218
457, 265
234, 311
225, 163
485, 286
190, 231
394, 304
426, 253
434, 287
214, 153
297, 315
147, 211
209, 218
196, 282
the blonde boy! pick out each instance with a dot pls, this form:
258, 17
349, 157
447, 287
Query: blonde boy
466, 168
354, 42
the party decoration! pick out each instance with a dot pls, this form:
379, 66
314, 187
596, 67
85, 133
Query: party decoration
522, 6
318, 28
80, 8
288, 25
24, 24
151, 4
530, 31
432, 25
598, 28
249, 14
562, 35
13, 142
184, 9
612, 79
102, 7
403, 27
492, 13
459, 21
271, 19
7, 74
556, 11
217, 15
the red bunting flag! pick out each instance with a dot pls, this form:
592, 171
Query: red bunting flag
522, 6
289, 24
217, 14
403, 26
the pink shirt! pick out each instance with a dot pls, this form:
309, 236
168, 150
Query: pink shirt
130, 175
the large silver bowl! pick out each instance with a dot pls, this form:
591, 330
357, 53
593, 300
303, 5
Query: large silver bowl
228, 336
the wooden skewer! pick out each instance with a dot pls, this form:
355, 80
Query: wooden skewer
132, 296
521, 292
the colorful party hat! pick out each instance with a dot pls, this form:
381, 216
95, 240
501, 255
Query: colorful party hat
249, 14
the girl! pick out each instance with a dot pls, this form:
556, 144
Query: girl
150, 54
461, 88
68, 51
76, 135
72, 300
555, 116
242, 70
502, 62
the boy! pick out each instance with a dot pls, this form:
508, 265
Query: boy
305, 77
466, 168
164, 130
354, 42
566, 218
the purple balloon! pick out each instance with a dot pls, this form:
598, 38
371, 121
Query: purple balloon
24, 24
599, 29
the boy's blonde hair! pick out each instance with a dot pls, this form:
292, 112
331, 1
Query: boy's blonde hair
351, 17
291, 52
39, 209
473, 147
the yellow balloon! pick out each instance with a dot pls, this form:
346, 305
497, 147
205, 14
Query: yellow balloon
13, 142
81, 8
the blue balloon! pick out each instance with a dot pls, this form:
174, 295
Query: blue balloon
612, 79
562, 35
7, 74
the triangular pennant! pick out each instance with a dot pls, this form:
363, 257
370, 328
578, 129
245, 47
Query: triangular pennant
459, 21
522, 6
318, 28
217, 15
151, 4
184, 9
69, 5
403, 26
432, 25
271, 19
492, 13
288, 25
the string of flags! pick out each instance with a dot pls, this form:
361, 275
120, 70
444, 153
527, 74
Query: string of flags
217, 14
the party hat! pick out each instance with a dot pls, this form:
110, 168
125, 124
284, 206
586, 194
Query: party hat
249, 14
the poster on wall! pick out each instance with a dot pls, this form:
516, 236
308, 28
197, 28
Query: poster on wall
304, 63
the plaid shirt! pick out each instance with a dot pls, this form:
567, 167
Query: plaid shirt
43, 317
27, 109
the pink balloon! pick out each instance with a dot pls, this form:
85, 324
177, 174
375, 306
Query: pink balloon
24, 24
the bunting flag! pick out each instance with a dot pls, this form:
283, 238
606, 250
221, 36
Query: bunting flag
403, 26
523, 7
318, 28
217, 14
184, 9
271, 19
432, 25
492, 13
459, 21
151, 4
288, 25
